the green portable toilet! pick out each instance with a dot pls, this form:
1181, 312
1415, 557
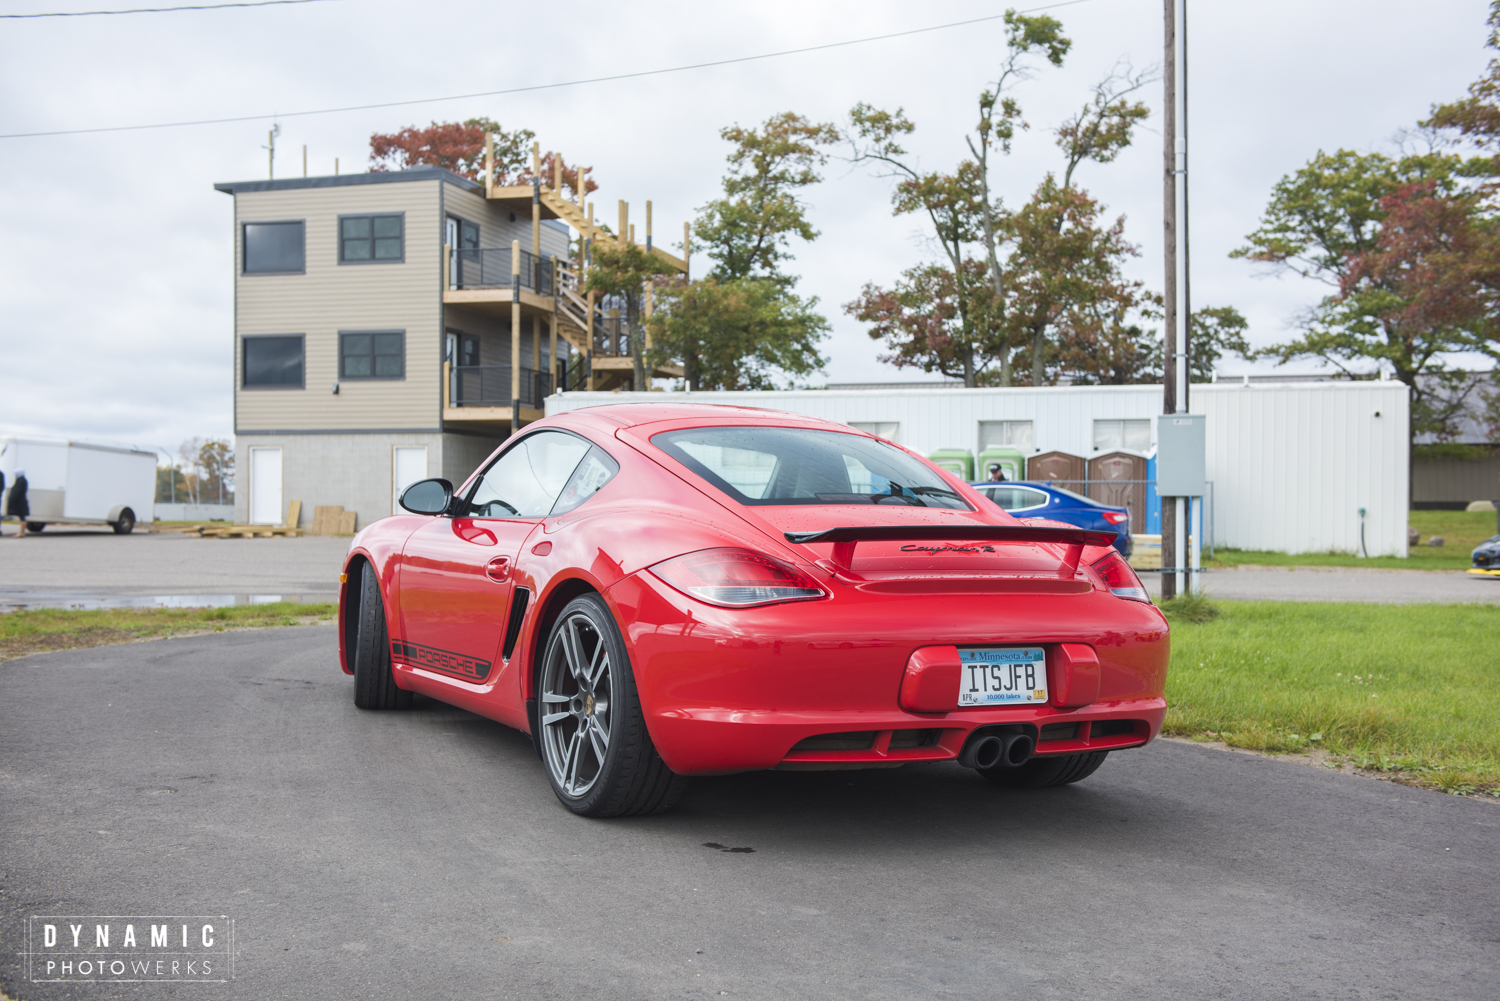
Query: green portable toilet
958, 461
1012, 462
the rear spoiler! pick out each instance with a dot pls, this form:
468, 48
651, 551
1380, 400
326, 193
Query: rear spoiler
845, 539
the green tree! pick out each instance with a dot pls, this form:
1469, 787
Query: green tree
743, 323
746, 233
623, 271
969, 221
1215, 332
736, 334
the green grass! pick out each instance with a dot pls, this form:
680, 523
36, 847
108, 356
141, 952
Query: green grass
1410, 690
1461, 532
60, 629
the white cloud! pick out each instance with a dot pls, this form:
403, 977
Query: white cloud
115, 311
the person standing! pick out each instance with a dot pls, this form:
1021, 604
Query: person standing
16, 505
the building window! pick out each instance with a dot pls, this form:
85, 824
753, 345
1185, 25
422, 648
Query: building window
274, 248
1134, 435
372, 354
273, 362
371, 239
1011, 434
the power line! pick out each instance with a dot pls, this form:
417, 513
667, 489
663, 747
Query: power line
535, 87
156, 10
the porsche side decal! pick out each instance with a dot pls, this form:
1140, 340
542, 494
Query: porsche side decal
457, 665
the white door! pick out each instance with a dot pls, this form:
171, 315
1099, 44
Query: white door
408, 465
265, 486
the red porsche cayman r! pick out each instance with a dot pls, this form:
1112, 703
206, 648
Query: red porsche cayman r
655, 591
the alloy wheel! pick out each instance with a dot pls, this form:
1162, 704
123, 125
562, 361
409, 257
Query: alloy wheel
575, 704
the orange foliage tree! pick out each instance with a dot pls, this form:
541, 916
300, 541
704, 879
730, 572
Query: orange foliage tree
459, 147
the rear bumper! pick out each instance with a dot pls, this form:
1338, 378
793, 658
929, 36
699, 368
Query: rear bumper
712, 741
736, 690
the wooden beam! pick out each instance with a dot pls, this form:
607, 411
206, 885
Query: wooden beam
624, 225
515, 324
648, 226
447, 266
489, 165
581, 190
557, 174
552, 345
687, 243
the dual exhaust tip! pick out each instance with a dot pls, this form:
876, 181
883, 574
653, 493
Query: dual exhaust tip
986, 750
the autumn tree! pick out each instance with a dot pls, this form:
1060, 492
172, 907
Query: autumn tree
742, 323
460, 147
1409, 257
969, 222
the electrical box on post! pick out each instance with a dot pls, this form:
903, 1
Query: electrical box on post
1180, 446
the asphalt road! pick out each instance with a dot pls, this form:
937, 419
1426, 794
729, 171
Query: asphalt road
1398, 587
422, 855
59, 567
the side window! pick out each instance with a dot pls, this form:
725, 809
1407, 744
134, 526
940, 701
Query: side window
596, 469
372, 239
1016, 498
526, 481
1032, 498
273, 361
372, 354
274, 248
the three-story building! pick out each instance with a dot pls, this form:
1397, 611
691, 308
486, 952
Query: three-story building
391, 326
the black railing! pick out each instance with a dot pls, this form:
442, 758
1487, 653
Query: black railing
489, 386
489, 267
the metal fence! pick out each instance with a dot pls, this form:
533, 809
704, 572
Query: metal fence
489, 386
489, 267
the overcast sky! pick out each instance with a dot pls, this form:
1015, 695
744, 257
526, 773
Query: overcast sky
116, 252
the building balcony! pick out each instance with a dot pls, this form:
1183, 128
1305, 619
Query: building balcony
488, 279
480, 396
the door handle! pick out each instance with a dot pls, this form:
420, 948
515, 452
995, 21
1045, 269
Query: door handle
498, 569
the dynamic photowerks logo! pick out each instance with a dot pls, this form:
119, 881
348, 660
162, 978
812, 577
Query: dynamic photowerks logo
130, 948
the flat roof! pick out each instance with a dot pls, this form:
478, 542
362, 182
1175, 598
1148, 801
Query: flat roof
426, 172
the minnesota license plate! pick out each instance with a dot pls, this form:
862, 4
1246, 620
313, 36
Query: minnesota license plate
1002, 675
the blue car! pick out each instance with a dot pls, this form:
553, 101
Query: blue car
1042, 500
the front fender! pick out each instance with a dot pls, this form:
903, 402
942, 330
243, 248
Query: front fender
380, 546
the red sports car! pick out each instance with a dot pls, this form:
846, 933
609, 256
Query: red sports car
654, 591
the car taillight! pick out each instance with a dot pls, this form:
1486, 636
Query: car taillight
1116, 517
1120, 579
737, 578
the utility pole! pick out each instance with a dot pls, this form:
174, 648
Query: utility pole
270, 148
1169, 246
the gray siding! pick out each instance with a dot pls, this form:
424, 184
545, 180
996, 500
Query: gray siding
1455, 480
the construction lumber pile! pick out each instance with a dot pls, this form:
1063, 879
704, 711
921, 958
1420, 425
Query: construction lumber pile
332, 519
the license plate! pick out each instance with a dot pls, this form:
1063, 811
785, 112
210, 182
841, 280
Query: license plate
1002, 675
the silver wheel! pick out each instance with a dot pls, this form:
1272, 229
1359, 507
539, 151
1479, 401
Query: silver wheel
577, 691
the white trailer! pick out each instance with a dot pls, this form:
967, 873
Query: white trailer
79, 483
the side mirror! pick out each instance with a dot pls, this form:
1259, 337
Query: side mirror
427, 497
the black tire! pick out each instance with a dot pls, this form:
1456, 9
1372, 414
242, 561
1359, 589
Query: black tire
1039, 773
628, 778
35, 526
374, 686
126, 523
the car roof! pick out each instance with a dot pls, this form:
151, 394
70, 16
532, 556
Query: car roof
636, 414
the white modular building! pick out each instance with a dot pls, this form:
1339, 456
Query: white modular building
1293, 467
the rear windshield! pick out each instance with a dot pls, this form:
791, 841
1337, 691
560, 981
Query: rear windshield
765, 466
